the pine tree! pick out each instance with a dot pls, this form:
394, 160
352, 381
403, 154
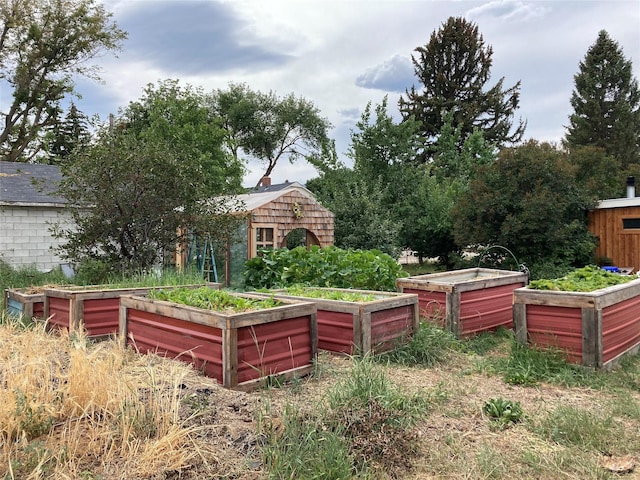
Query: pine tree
606, 103
454, 68
67, 135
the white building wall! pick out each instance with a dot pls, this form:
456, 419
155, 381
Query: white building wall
25, 236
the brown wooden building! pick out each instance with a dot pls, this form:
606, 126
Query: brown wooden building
278, 210
275, 214
616, 223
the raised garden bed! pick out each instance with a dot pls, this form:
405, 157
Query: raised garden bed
26, 302
94, 308
594, 329
240, 350
376, 323
466, 302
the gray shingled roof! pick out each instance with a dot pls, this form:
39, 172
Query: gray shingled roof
29, 184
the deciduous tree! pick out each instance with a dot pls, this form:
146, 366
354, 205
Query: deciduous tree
269, 128
147, 175
43, 45
529, 202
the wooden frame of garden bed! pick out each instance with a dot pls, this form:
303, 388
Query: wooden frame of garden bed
595, 329
240, 350
94, 307
466, 302
362, 327
29, 305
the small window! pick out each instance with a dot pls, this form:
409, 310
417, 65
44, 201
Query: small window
631, 223
264, 238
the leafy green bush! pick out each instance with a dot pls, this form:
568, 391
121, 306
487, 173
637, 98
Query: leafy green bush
323, 267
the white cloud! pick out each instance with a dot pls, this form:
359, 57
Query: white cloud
509, 10
343, 54
393, 75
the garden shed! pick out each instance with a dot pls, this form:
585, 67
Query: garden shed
616, 223
279, 215
28, 209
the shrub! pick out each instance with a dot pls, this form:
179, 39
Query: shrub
323, 267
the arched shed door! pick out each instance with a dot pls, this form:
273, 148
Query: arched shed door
299, 237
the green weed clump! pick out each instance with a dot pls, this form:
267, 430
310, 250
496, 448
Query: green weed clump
528, 366
429, 345
503, 412
362, 428
323, 267
576, 427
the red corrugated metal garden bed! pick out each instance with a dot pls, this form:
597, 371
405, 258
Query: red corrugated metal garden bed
594, 329
94, 307
466, 302
18, 301
240, 350
360, 327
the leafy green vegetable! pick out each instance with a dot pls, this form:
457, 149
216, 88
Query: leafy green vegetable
586, 279
342, 295
211, 299
323, 267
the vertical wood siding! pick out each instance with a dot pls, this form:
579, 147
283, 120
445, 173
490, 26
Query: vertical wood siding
623, 248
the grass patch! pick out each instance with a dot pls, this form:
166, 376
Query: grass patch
429, 345
577, 427
529, 366
363, 427
486, 342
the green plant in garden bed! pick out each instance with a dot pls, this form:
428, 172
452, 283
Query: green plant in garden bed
341, 295
586, 279
211, 299
323, 267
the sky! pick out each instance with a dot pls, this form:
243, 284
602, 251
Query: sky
343, 54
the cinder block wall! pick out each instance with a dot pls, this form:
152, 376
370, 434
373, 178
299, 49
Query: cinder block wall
25, 236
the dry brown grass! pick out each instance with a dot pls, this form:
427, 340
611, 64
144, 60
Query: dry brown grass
70, 408
75, 409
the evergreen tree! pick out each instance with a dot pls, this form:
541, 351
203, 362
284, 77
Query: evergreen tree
68, 135
606, 103
454, 68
